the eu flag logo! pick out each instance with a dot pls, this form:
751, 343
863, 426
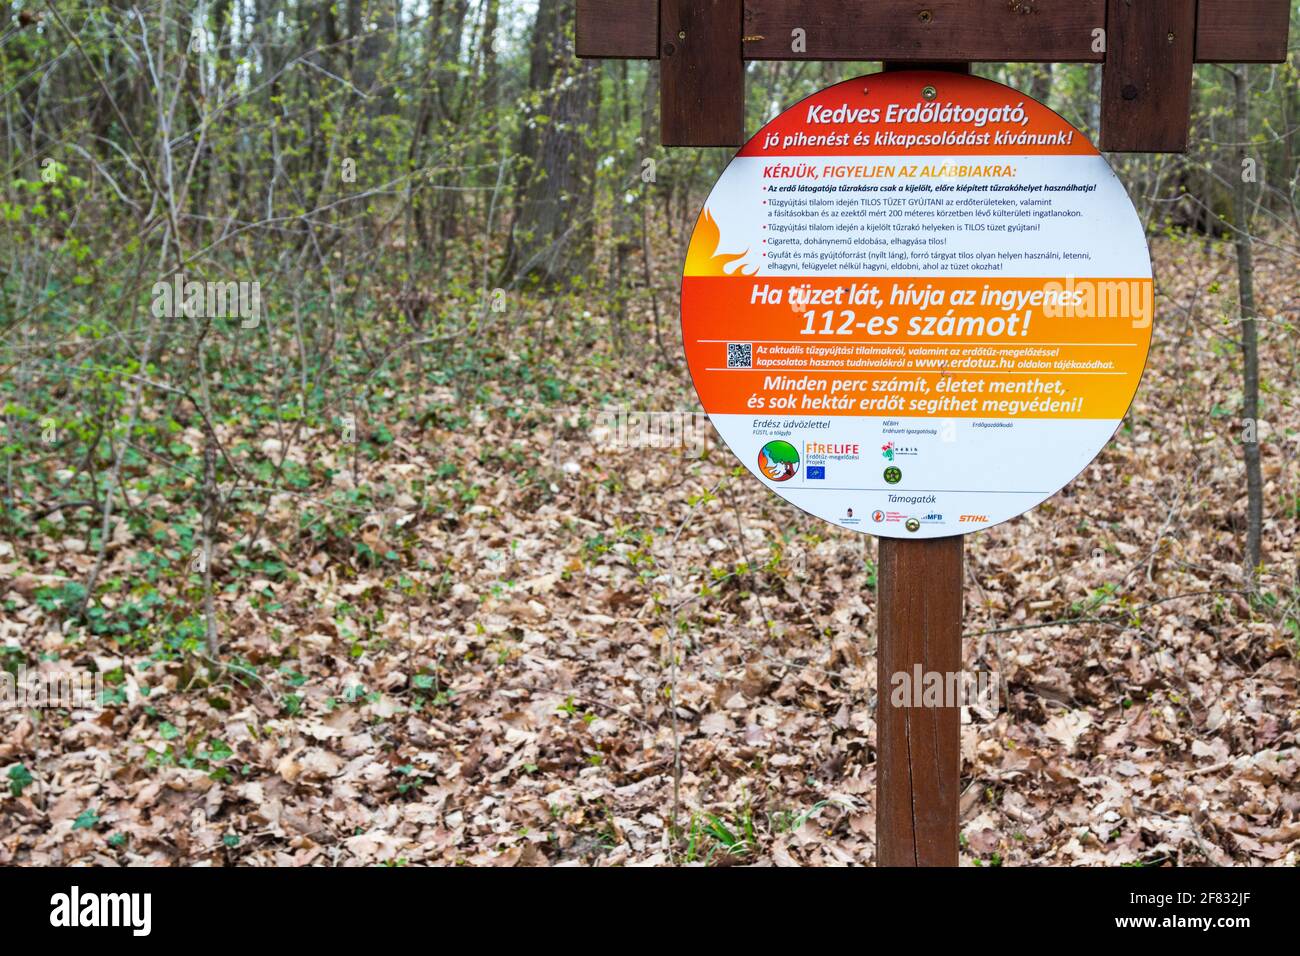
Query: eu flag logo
816, 472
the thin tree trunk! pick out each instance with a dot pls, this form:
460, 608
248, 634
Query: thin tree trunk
209, 532
1249, 327
1040, 88
551, 237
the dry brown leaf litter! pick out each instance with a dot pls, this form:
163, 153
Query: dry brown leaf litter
580, 640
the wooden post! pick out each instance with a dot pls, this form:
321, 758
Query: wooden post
1146, 84
701, 73
918, 628
918, 749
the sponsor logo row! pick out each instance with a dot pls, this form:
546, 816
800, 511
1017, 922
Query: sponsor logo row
779, 461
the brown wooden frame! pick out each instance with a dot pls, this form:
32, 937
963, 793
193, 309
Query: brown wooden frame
1150, 46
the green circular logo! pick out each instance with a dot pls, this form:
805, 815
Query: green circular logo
778, 460
893, 475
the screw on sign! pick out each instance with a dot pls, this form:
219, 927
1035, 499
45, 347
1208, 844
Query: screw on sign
917, 304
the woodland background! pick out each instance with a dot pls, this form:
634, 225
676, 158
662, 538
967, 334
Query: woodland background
367, 582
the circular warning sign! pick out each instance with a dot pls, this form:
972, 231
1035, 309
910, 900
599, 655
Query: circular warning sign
917, 304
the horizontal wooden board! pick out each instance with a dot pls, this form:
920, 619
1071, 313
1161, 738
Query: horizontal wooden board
925, 30
1242, 31
1008, 31
617, 29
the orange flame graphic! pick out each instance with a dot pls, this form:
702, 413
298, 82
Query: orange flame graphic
703, 257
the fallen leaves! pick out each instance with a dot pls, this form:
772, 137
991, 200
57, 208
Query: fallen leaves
588, 654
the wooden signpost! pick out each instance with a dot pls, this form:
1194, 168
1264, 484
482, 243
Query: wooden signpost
1147, 49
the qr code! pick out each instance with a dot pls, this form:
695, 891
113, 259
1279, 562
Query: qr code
740, 356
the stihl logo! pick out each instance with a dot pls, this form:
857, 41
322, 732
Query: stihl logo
973, 519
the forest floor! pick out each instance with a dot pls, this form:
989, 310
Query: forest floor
525, 644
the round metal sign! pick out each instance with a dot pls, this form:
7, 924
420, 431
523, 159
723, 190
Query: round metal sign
917, 304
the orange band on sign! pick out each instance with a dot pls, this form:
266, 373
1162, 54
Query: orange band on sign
848, 346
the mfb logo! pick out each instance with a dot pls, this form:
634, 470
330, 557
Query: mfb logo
973, 519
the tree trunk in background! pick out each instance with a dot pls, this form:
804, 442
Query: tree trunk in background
490, 88
449, 86
448, 28
649, 140
375, 48
1041, 88
1249, 327
1290, 105
1094, 102
650, 110
550, 238
352, 26
629, 193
